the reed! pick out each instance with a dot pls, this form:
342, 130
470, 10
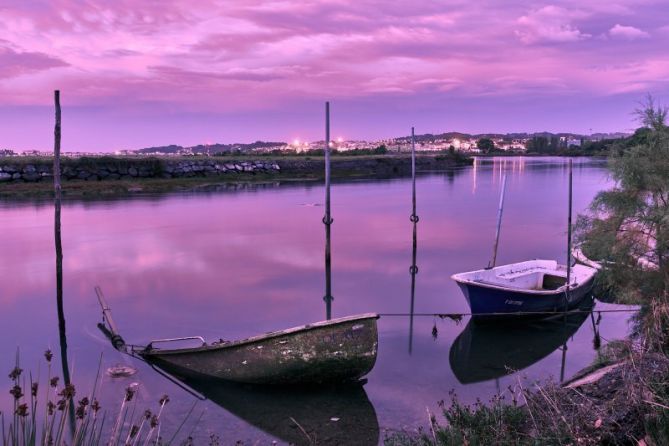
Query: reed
41, 415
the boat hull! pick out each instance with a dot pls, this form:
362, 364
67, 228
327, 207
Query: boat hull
491, 302
331, 351
533, 288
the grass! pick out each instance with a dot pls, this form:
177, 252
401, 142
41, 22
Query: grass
53, 416
628, 405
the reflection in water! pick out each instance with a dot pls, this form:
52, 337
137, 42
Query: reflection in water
331, 416
487, 351
413, 269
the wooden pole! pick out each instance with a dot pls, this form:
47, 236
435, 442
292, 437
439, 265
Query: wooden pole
499, 223
56, 146
327, 219
59, 255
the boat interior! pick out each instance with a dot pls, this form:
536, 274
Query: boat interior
533, 275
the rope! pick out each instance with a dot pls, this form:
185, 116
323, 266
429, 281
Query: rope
414, 218
520, 313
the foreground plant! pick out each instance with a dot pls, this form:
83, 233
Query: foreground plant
66, 421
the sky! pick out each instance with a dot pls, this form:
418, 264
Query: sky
136, 74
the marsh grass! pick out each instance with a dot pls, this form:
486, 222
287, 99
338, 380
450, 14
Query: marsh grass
51, 415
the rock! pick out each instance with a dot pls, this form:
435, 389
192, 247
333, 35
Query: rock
133, 172
16, 176
92, 178
113, 176
31, 176
4, 176
29, 169
82, 175
123, 170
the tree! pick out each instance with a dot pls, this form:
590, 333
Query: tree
629, 225
485, 145
381, 150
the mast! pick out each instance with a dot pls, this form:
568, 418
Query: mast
499, 223
327, 219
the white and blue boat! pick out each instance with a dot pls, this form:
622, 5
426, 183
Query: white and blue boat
534, 287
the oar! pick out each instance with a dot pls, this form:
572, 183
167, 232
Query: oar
112, 332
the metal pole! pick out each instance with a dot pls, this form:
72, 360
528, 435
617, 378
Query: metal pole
569, 234
414, 216
499, 222
327, 219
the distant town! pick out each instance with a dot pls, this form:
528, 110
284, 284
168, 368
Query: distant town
454, 141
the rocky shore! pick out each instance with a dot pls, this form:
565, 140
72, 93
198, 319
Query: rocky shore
17, 170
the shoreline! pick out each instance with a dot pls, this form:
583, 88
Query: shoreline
110, 176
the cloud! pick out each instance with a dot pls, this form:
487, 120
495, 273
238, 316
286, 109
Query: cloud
15, 63
627, 32
549, 24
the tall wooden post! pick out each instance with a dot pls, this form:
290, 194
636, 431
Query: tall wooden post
59, 254
327, 219
569, 237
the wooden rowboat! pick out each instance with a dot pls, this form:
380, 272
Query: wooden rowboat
332, 351
337, 350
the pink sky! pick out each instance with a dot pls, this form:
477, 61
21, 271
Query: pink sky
136, 74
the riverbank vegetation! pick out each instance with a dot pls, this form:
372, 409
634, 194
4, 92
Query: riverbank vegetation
52, 413
623, 398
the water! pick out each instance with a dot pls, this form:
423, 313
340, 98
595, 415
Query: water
237, 263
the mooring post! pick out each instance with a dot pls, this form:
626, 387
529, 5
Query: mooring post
499, 222
414, 216
569, 237
327, 219
59, 253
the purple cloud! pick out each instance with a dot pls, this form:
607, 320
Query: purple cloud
15, 63
627, 32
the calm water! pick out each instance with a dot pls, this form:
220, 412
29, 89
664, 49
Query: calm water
232, 264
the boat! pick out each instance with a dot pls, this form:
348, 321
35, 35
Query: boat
330, 415
529, 288
536, 287
337, 350
483, 352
